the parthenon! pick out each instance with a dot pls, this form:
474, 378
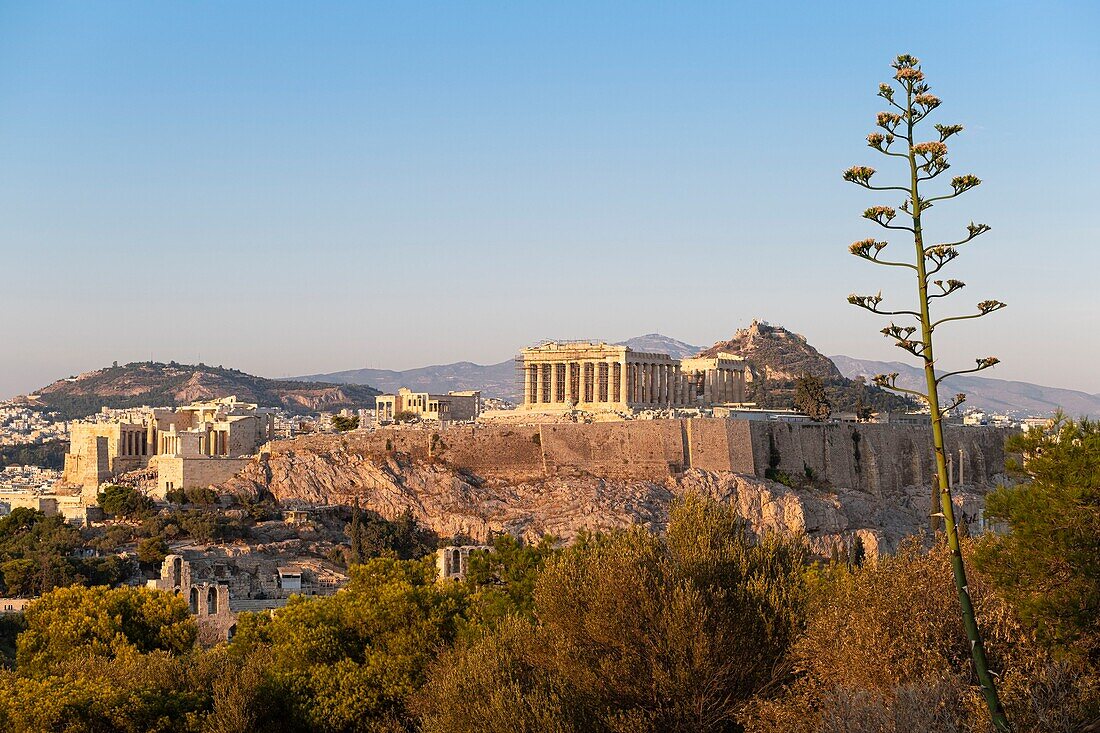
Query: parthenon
600, 376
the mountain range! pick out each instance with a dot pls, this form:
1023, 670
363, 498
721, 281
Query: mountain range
494, 380
784, 354
996, 395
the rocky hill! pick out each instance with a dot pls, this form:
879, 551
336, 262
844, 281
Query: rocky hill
780, 354
832, 483
778, 357
168, 385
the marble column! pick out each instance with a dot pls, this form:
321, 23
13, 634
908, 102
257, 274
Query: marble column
529, 372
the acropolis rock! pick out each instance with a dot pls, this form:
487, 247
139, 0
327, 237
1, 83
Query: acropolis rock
868, 481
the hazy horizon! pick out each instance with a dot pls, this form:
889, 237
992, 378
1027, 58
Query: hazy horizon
291, 190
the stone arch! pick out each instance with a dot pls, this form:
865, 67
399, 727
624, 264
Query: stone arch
212, 600
177, 570
194, 600
231, 632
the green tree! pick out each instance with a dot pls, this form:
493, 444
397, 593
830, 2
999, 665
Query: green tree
152, 550
370, 535
810, 399
351, 661
124, 501
101, 621
343, 424
925, 161
1048, 563
502, 582
633, 632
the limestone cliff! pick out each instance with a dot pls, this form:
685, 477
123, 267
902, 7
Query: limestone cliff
477, 482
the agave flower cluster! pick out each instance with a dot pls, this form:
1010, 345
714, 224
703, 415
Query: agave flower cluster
930, 150
941, 254
876, 140
898, 332
964, 183
886, 381
951, 286
988, 306
909, 74
880, 214
860, 174
947, 131
888, 121
870, 302
863, 247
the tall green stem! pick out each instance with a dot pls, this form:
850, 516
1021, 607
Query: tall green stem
970, 622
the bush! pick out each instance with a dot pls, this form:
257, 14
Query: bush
884, 647
635, 633
124, 501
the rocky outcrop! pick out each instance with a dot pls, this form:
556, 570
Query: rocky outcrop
475, 483
780, 353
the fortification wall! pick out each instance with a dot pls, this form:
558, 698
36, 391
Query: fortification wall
646, 450
864, 457
872, 456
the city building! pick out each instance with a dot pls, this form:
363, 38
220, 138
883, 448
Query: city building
560, 376
191, 446
459, 406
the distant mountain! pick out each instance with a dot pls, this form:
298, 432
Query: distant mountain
168, 385
997, 395
655, 343
494, 380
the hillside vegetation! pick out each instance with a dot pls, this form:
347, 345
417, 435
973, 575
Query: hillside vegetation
168, 385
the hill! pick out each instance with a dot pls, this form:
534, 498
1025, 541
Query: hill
784, 355
778, 357
997, 395
168, 385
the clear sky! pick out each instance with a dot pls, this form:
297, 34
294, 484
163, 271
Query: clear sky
292, 188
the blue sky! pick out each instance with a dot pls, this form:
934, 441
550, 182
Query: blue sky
296, 188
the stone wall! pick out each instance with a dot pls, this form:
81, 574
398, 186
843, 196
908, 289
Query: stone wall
864, 456
178, 472
870, 457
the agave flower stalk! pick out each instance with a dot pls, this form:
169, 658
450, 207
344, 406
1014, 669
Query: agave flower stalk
925, 160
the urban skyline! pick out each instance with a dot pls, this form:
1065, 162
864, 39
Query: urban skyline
291, 192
